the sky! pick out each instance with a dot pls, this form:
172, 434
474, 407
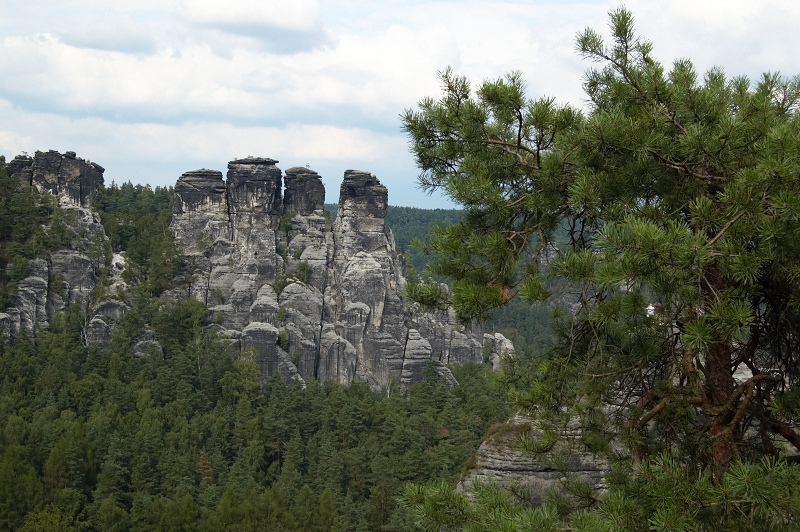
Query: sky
150, 89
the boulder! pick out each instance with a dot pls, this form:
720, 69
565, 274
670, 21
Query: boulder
500, 459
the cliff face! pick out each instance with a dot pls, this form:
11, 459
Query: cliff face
71, 179
314, 301
67, 276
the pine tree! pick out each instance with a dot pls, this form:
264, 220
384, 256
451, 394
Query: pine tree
682, 199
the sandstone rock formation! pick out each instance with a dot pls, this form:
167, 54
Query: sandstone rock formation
67, 276
314, 301
71, 179
501, 460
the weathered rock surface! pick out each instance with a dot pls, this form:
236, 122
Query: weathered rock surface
500, 460
71, 179
304, 191
314, 301
146, 344
67, 276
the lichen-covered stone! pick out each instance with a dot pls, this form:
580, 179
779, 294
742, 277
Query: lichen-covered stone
501, 460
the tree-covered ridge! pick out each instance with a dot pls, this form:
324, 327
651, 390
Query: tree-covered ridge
114, 442
188, 437
409, 224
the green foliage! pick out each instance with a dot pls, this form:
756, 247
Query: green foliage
439, 507
286, 221
662, 495
679, 199
410, 223
303, 272
136, 219
193, 439
283, 340
429, 294
129, 210
330, 210
281, 282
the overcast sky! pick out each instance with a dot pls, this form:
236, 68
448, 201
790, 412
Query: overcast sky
150, 89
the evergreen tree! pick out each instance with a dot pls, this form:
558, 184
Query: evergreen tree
682, 199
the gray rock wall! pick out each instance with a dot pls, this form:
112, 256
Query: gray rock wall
72, 180
501, 460
314, 301
67, 276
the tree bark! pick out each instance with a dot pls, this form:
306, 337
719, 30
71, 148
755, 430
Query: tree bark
719, 389
719, 386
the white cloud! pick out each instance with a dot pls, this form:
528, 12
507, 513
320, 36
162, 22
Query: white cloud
115, 32
741, 36
191, 145
277, 25
187, 83
373, 76
297, 15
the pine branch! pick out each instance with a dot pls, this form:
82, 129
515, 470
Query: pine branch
722, 231
787, 432
653, 413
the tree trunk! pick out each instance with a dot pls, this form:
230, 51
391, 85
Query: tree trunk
719, 386
719, 390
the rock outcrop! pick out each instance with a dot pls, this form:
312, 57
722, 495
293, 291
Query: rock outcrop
501, 460
313, 301
67, 276
71, 179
